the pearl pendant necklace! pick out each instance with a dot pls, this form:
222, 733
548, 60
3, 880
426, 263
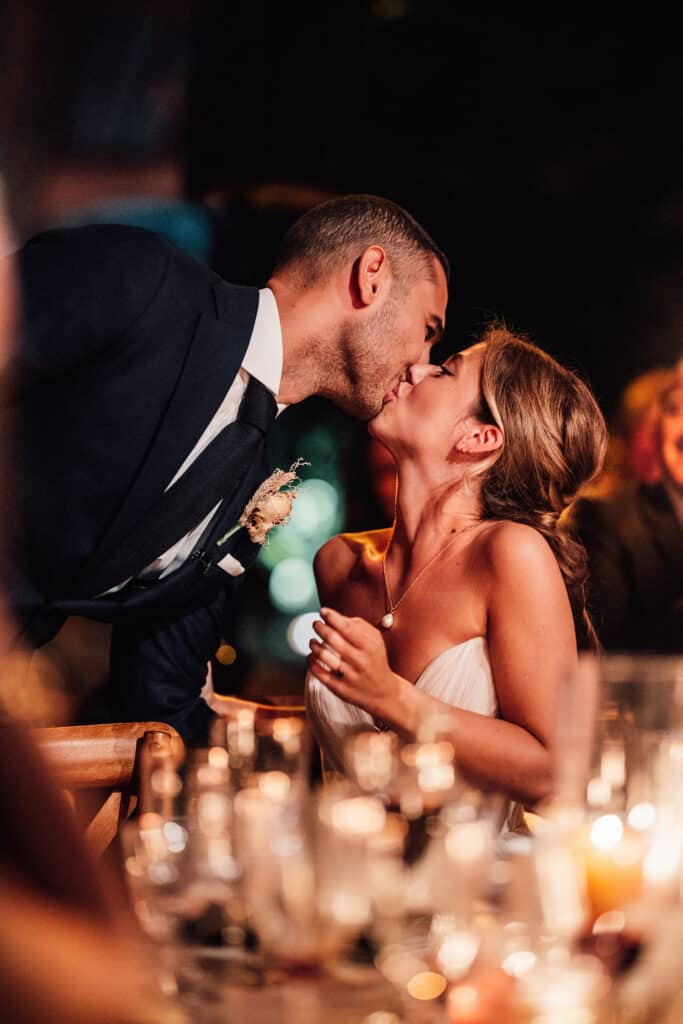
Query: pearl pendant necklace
388, 619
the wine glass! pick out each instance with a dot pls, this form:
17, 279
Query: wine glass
257, 743
305, 866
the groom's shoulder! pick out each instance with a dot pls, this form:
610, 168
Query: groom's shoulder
99, 237
89, 255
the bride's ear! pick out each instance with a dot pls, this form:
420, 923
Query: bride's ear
480, 439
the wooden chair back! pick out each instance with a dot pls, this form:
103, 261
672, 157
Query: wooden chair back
112, 763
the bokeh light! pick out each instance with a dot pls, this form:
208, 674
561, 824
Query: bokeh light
316, 510
607, 832
316, 516
300, 632
292, 585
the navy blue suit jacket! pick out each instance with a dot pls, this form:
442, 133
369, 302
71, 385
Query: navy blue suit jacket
127, 349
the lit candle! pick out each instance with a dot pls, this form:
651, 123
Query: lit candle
613, 861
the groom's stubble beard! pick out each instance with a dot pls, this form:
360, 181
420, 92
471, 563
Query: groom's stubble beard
361, 365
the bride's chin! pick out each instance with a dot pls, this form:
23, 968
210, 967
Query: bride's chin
380, 429
380, 417
375, 425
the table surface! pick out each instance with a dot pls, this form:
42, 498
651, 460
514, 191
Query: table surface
217, 990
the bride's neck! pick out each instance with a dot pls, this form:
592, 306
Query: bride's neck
429, 507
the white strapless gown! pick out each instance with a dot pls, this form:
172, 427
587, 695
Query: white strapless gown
460, 676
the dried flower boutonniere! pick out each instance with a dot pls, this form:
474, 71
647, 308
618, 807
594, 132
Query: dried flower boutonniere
269, 506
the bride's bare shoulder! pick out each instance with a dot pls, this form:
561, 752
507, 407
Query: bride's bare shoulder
515, 549
336, 560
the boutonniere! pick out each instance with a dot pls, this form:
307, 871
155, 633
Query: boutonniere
269, 506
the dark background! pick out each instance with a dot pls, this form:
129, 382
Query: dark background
542, 150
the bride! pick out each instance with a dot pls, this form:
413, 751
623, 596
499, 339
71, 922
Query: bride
475, 596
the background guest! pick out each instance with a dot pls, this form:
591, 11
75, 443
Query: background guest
632, 451
634, 540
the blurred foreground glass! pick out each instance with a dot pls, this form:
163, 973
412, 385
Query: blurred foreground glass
619, 740
160, 784
305, 863
155, 852
418, 778
616, 823
255, 743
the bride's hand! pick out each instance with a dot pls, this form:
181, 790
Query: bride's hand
352, 662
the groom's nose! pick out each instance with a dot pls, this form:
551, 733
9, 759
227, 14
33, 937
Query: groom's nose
418, 372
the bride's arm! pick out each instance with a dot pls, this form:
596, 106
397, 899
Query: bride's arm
531, 644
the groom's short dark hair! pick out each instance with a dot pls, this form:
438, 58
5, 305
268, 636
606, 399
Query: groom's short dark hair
340, 229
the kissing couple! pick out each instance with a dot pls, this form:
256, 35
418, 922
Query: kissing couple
142, 388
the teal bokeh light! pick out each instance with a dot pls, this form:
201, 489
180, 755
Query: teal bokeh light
316, 513
283, 543
316, 516
292, 585
323, 436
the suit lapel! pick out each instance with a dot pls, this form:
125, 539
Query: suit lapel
191, 582
214, 357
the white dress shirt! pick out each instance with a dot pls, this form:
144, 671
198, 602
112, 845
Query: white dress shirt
263, 360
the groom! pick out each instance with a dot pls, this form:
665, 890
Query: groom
141, 394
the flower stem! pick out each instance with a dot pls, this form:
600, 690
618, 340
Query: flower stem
229, 534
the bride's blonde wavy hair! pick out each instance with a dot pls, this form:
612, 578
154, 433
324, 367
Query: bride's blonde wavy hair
554, 443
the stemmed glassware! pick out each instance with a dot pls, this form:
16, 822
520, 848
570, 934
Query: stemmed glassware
618, 810
404, 857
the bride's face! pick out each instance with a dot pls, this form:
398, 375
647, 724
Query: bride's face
434, 406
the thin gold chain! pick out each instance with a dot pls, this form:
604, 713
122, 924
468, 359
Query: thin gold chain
390, 606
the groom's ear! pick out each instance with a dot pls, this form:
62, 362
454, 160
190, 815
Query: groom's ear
480, 439
371, 277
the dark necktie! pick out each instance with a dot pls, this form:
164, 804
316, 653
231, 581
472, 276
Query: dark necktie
214, 476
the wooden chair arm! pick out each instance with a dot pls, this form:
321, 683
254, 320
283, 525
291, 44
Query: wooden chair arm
102, 756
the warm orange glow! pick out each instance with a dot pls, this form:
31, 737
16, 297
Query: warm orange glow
613, 862
426, 985
464, 1005
489, 997
226, 655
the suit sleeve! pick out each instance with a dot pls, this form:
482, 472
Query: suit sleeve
81, 290
159, 668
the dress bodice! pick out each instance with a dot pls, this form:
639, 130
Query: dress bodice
460, 676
